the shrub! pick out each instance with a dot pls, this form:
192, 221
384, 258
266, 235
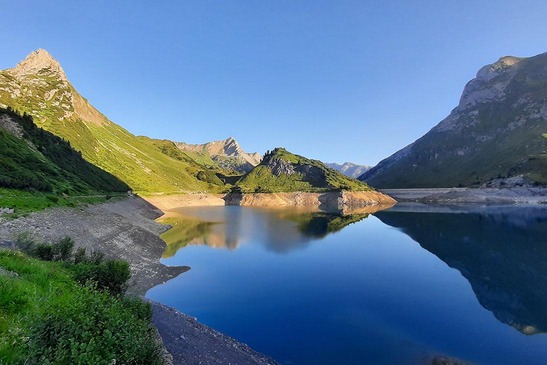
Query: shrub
25, 241
43, 251
110, 276
91, 328
80, 255
62, 250
96, 257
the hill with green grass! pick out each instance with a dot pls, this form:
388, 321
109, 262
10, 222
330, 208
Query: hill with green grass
498, 131
282, 171
39, 169
38, 86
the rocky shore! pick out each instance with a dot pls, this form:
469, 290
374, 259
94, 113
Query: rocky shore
332, 200
490, 196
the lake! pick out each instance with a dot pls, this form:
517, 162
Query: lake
399, 286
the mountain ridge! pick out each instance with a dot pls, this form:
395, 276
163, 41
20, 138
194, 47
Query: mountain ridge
227, 153
349, 168
496, 131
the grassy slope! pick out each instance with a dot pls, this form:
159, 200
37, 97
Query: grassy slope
44, 162
135, 161
37, 296
309, 176
41, 170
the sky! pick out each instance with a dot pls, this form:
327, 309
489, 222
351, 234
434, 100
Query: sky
340, 80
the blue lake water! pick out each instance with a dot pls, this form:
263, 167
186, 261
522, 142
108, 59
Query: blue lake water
395, 287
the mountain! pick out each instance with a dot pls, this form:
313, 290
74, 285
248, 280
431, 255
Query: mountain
282, 171
498, 130
36, 160
227, 153
349, 169
38, 86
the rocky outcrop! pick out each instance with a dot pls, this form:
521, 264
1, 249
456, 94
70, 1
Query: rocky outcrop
279, 166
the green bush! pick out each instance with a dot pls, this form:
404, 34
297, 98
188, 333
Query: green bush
91, 328
43, 251
62, 250
110, 276
80, 255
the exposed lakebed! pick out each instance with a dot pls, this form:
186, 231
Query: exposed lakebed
397, 287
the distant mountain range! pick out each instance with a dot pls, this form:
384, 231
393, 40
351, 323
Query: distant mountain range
497, 131
349, 169
38, 86
227, 153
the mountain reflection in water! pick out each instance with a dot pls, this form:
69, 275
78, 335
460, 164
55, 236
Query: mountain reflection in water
501, 251
293, 228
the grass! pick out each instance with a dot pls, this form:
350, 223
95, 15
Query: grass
24, 202
46, 317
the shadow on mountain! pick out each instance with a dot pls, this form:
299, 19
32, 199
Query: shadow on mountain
501, 251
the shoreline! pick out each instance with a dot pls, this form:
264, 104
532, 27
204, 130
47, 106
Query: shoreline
487, 196
342, 201
126, 229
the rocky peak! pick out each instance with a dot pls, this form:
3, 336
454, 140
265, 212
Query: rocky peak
279, 166
488, 85
231, 147
37, 62
488, 72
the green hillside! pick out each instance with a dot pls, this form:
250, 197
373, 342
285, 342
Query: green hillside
39, 169
496, 132
38, 86
282, 171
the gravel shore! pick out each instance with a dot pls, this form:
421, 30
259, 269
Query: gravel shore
513, 195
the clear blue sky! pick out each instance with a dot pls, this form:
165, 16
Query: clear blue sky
332, 80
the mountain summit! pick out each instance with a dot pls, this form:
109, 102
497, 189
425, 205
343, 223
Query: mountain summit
497, 131
39, 61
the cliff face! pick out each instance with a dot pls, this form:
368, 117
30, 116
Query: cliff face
496, 131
